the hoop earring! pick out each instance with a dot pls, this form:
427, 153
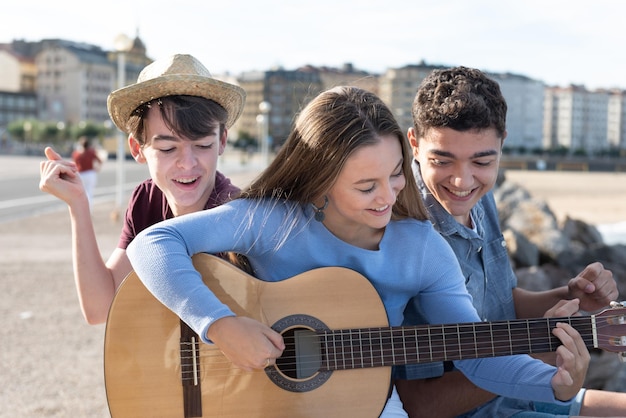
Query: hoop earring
319, 212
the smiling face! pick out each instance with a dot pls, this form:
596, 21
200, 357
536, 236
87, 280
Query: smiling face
182, 168
361, 199
458, 167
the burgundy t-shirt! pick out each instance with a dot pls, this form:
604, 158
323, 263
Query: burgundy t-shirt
148, 206
85, 159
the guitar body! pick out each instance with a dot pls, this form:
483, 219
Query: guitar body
142, 358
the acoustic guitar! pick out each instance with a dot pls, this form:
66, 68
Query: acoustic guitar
339, 353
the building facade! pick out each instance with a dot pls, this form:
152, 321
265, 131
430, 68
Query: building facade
397, 88
75, 79
616, 120
70, 82
286, 91
577, 119
18, 100
524, 119
73, 82
17, 72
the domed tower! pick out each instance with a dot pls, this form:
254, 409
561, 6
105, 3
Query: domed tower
138, 46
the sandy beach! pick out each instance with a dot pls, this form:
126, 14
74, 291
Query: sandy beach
51, 361
596, 198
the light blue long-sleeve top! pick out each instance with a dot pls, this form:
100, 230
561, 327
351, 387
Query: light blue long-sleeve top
282, 240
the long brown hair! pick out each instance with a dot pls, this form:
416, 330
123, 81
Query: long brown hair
326, 133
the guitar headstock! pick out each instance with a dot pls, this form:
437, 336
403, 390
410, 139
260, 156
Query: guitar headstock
610, 327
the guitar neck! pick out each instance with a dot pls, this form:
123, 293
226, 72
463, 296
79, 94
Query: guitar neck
389, 346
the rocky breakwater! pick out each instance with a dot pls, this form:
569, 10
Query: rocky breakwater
546, 253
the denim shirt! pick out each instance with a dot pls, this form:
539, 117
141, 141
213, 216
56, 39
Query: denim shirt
483, 256
489, 277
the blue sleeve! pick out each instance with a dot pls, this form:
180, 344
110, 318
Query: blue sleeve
164, 251
519, 376
445, 300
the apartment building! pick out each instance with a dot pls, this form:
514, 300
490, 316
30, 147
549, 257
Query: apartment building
524, 120
16, 106
73, 82
524, 97
75, 79
616, 120
70, 82
287, 91
538, 117
397, 88
18, 100
346, 75
577, 119
17, 72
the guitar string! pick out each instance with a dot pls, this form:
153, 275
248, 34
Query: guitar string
362, 355
384, 334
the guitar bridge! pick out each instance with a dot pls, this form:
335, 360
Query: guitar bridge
190, 371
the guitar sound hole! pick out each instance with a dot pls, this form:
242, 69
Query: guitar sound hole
298, 369
301, 358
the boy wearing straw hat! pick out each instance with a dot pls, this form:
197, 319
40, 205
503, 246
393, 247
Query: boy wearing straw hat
177, 118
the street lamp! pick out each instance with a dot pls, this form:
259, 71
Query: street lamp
264, 121
61, 133
122, 45
27, 129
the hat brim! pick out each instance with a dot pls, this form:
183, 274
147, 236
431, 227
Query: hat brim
122, 102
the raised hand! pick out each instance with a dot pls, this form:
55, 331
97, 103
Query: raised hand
594, 286
60, 178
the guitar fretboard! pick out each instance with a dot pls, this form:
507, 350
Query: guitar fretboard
389, 346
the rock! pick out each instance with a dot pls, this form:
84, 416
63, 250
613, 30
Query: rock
544, 277
507, 196
582, 232
546, 255
533, 278
523, 252
533, 219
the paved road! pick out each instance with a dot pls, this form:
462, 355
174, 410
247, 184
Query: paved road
19, 183
50, 359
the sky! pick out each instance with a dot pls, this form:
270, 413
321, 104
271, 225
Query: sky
559, 42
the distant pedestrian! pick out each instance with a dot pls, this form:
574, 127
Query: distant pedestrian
88, 164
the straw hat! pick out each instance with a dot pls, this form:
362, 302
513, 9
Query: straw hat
176, 75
